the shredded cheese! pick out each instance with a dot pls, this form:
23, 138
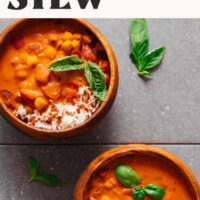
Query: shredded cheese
60, 116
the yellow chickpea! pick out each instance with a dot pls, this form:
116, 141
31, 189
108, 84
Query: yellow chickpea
15, 60
32, 61
21, 72
67, 46
40, 103
104, 197
50, 52
53, 38
76, 44
67, 36
87, 39
108, 185
23, 58
77, 36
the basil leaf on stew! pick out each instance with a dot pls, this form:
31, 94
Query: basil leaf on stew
67, 63
138, 193
152, 59
139, 40
48, 179
126, 176
96, 80
33, 166
154, 191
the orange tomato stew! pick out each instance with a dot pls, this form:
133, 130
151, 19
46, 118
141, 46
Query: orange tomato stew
152, 170
40, 97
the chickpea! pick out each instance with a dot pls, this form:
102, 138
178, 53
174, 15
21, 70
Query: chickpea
32, 61
77, 36
67, 46
42, 73
108, 185
21, 72
40, 103
53, 38
104, 197
15, 60
67, 36
50, 52
87, 39
76, 44
23, 58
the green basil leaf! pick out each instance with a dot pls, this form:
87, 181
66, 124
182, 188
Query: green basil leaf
96, 80
154, 191
67, 63
139, 39
133, 59
48, 179
152, 59
33, 166
126, 175
138, 193
144, 73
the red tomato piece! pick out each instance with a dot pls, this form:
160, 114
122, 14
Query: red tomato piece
88, 54
6, 94
18, 42
104, 65
33, 47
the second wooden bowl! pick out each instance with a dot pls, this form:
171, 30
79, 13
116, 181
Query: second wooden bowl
112, 155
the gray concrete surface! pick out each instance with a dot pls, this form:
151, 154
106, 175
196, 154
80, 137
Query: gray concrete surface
163, 111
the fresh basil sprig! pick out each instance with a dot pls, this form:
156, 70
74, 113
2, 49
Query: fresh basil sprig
44, 178
152, 190
139, 55
93, 73
126, 175
138, 193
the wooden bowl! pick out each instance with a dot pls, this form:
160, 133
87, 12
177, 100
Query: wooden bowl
96, 117
132, 149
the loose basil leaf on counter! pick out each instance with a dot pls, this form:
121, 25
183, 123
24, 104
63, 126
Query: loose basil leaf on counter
126, 175
139, 39
154, 191
139, 55
67, 63
96, 80
44, 178
33, 166
152, 59
48, 179
138, 193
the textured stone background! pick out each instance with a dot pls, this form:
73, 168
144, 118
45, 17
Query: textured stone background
163, 111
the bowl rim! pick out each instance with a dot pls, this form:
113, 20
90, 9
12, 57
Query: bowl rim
113, 85
112, 154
